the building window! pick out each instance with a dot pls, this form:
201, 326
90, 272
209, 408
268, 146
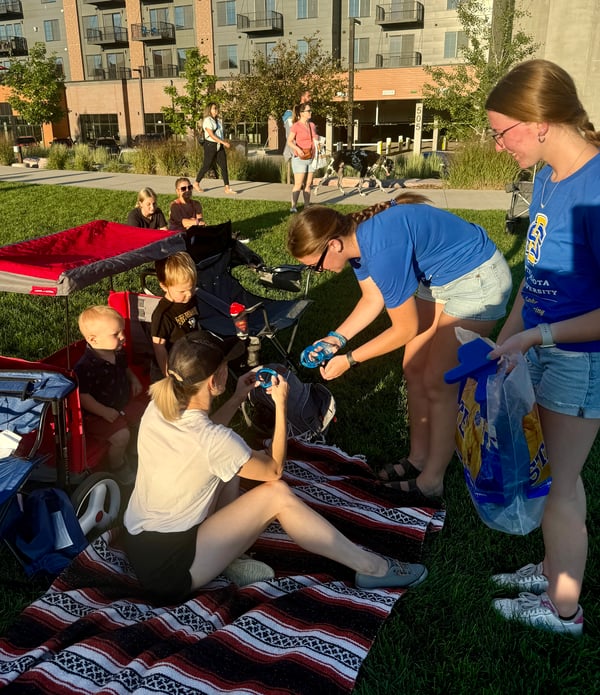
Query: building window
184, 18
158, 16
98, 125
161, 62
7, 31
302, 47
307, 9
451, 4
115, 63
94, 67
361, 50
226, 14
181, 55
265, 49
60, 67
359, 8
228, 59
454, 41
51, 30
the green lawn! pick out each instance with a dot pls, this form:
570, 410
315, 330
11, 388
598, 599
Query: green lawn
442, 637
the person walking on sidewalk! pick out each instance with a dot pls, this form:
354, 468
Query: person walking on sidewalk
536, 115
303, 142
215, 147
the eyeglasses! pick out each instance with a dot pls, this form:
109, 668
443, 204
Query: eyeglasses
186, 188
318, 266
500, 136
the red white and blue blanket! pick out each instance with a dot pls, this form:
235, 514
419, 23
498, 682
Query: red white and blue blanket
306, 631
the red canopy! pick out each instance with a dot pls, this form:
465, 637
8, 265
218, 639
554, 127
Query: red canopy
58, 264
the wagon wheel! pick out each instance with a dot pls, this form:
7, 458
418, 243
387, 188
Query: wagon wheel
97, 501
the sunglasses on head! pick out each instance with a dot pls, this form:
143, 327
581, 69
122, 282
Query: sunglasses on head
186, 188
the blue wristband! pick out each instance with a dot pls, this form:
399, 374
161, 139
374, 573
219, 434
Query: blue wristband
338, 336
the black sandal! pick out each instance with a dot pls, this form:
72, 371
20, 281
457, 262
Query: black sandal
410, 471
415, 491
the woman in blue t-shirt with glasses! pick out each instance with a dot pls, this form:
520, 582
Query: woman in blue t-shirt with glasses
432, 272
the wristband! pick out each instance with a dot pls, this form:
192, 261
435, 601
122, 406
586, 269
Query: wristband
547, 339
338, 336
351, 361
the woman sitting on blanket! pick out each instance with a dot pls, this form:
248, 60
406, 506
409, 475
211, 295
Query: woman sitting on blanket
186, 521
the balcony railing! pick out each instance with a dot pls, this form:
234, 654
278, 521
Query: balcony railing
150, 71
13, 46
157, 31
105, 3
260, 23
397, 60
10, 8
398, 14
113, 73
107, 36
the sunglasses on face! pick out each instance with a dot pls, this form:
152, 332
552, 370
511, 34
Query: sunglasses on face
318, 266
186, 188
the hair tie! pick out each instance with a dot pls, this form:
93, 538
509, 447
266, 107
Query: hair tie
175, 375
393, 201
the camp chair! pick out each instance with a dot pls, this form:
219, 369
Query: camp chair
521, 189
216, 254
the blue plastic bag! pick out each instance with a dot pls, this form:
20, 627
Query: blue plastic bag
499, 440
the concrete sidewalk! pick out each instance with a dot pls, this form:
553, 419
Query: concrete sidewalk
249, 190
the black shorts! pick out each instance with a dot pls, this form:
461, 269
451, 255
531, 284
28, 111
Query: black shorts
162, 561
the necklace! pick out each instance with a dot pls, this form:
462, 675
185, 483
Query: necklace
569, 171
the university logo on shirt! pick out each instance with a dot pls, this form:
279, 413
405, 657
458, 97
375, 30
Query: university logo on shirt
535, 238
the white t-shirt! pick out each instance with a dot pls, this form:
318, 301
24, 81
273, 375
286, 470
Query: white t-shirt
215, 125
180, 468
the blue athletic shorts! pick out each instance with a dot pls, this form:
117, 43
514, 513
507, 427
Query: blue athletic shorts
481, 294
566, 382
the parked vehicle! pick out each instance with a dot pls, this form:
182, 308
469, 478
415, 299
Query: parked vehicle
109, 144
27, 141
148, 138
67, 142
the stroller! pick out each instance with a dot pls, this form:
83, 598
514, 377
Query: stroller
40, 411
517, 217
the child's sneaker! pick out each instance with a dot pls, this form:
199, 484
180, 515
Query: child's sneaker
400, 575
529, 578
245, 570
539, 612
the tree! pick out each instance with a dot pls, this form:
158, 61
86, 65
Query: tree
36, 87
458, 93
187, 109
277, 80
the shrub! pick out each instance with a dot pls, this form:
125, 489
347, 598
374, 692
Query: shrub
58, 157
83, 158
477, 165
143, 160
194, 155
170, 158
238, 166
7, 156
416, 166
263, 169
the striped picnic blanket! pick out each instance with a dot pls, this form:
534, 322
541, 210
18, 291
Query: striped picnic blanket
306, 631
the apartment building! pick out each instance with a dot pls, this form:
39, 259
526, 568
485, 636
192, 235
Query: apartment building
118, 55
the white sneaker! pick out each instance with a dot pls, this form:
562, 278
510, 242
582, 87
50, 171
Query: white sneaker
293, 209
529, 578
539, 612
245, 570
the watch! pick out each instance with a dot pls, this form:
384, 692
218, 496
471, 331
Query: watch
351, 361
547, 339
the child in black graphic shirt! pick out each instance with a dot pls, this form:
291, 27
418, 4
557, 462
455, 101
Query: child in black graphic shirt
177, 312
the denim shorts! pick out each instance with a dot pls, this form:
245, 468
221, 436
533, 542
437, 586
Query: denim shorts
481, 294
303, 166
566, 382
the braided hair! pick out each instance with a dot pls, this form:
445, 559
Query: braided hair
310, 230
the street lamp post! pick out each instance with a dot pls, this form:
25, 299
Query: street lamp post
142, 111
353, 22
